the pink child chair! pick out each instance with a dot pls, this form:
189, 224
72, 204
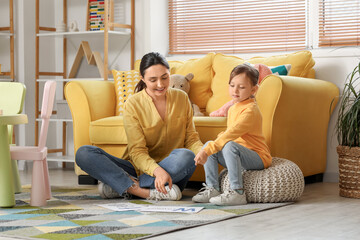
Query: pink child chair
40, 186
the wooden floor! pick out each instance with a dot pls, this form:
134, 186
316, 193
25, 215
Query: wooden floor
320, 214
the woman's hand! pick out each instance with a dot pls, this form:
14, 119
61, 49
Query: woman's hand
161, 178
201, 157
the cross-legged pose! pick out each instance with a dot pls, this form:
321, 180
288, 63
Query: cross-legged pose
162, 141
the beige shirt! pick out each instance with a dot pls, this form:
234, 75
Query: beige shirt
150, 138
244, 126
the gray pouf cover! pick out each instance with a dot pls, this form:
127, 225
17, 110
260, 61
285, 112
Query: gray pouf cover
283, 181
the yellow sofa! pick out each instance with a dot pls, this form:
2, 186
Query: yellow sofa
296, 108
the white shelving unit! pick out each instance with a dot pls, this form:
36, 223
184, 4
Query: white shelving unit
8, 35
127, 31
82, 34
5, 79
71, 79
8, 32
65, 158
56, 120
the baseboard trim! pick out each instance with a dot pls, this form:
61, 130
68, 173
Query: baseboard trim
331, 177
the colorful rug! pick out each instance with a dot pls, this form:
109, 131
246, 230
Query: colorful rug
73, 213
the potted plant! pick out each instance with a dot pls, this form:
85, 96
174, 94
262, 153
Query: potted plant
348, 133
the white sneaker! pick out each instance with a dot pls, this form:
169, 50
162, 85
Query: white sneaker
106, 191
172, 194
229, 197
205, 194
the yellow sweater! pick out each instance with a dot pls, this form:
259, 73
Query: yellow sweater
244, 126
151, 139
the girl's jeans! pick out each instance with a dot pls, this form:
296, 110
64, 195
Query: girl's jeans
236, 158
115, 171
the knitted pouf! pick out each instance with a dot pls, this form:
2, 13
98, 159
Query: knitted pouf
281, 182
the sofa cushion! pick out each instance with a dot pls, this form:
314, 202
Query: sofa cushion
200, 90
301, 65
262, 69
301, 62
281, 69
222, 67
108, 130
125, 83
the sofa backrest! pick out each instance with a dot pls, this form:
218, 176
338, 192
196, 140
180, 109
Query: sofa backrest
301, 66
209, 87
100, 97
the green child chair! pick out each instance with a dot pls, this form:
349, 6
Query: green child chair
12, 97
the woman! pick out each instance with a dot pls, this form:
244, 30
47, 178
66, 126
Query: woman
161, 141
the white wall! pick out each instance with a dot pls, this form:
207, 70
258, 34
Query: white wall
25, 72
334, 66
151, 34
4, 41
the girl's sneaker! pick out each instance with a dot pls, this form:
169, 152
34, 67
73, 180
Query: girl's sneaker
205, 194
172, 194
229, 197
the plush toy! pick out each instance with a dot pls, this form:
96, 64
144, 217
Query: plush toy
183, 83
263, 72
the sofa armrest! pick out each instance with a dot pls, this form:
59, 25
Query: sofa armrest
209, 127
80, 112
296, 112
88, 101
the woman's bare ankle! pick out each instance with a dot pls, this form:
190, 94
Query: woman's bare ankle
136, 190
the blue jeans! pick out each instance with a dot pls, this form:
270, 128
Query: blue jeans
115, 171
236, 158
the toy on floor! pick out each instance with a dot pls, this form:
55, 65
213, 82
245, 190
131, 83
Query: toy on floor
183, 83
263, 72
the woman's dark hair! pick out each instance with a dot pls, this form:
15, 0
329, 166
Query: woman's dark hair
148, 60
249, 71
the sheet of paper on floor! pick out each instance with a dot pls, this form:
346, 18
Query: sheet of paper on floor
150, 208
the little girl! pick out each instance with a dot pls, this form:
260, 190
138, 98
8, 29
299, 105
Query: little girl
241, 147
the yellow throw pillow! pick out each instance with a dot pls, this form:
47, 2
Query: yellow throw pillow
125, 83
137, 65
222, 67
301, 62
200, 85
